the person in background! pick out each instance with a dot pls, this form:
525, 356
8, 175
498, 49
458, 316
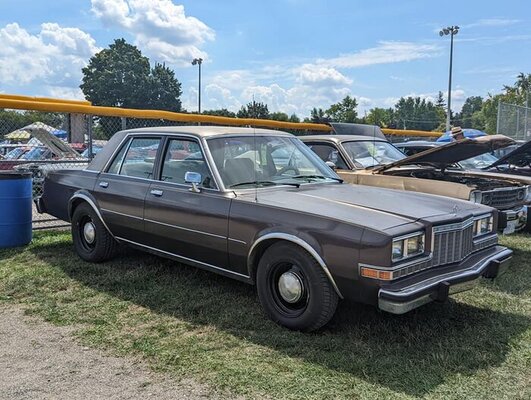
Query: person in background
457, 133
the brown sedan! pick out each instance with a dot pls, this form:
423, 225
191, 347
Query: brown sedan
259, 206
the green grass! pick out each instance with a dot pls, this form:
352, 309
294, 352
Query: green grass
194, 324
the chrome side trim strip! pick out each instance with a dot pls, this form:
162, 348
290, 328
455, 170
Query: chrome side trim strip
185, 229
94, 207
301, 243
237, 241
122, 214
183, 258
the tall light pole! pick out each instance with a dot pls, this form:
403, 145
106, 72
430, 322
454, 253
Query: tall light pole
198, 61
451, 30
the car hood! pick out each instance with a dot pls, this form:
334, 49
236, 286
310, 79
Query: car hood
453, 152
521, 157
375, 208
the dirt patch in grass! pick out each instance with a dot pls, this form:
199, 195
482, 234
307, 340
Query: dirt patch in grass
40, 360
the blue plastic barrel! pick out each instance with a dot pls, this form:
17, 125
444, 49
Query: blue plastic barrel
15, 208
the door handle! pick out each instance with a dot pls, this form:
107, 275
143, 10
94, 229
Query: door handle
104, 184
157, 192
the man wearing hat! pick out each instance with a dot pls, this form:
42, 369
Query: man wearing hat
457, 133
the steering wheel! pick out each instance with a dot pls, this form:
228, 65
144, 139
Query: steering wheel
288, 168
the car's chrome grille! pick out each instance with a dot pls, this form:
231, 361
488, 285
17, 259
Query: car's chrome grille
452, 245
503, 198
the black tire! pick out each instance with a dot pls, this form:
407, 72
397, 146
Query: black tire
103, 247
318, 299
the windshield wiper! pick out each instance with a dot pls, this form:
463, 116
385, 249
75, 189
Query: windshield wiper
316, 177
264, 183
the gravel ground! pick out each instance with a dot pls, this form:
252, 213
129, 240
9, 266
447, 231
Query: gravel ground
42, 361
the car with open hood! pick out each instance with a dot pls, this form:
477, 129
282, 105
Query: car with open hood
258, 206
376, 162
515, 162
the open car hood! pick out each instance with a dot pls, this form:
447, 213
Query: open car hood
520, 157
56, 145
453, 152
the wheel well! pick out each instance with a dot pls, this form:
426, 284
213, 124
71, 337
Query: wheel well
258, 252
73, 205
261, 247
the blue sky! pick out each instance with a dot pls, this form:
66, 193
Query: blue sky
291, 54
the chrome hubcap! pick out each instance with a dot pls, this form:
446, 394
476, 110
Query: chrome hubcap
89, 232
290, 287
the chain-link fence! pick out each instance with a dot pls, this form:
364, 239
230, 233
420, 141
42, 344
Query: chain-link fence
514, 121
39, 142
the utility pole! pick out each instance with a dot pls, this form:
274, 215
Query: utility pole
198, 61
451, 30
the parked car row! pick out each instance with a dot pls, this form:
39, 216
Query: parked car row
261, 207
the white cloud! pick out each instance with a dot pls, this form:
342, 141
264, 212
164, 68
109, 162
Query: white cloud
492, 22
310, 74
160, 27
54, 56
385, 53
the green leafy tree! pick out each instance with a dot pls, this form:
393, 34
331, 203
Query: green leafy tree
279, 116
294, 118
317, 116
518, 93
383, 117
254, 109
164, 90
418, 114
120, 76
466, 118
222, 112
344, 111
117, 76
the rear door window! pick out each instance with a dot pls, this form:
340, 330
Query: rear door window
137, 159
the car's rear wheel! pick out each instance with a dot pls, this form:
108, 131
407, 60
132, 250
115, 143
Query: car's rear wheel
92, 241
293, 288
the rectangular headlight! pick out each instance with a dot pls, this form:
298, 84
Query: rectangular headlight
483, 225
476, 196
408, 246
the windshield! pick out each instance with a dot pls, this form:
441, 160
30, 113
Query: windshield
249, 161
478, 162
370, 153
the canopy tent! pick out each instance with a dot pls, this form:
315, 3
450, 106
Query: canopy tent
19, 134
24, 133
469, 133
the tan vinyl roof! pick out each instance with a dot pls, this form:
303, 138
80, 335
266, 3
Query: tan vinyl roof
206, 131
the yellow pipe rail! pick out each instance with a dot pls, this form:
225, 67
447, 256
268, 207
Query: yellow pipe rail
42, 99
155, 114
404, 132
84, 107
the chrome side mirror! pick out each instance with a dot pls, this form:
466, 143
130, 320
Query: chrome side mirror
195, 179
332, 165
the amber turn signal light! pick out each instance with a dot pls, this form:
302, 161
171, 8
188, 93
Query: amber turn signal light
376, 274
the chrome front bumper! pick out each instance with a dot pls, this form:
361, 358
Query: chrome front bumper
439, 287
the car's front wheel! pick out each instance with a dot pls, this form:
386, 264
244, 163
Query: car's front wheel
293, 288
92, 241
